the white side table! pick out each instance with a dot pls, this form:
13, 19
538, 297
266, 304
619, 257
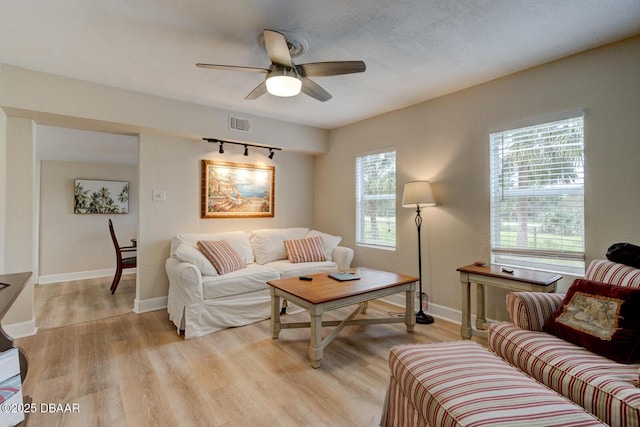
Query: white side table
492, 275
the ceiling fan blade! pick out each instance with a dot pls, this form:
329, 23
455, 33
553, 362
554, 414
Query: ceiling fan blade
260, 90
232, 68
311, 88
277, 48
319, 69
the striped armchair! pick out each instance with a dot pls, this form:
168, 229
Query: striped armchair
607, 389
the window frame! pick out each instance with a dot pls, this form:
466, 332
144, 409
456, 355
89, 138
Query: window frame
564, 261
360, 236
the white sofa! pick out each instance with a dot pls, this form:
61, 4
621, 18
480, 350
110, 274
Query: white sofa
202, 301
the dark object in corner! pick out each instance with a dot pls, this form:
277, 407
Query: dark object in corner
624, 253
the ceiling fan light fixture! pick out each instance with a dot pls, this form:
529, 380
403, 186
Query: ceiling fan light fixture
283, 77
283, 82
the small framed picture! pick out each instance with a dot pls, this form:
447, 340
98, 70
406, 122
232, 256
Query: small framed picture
101, 197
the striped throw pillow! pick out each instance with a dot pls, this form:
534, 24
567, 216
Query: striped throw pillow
223, 257
305, 250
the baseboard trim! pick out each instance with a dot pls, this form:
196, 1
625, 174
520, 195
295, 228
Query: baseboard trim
151, 304
434, 309
79, 275
21, 329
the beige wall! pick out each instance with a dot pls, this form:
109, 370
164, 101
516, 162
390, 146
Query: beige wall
3, 185
445, 140
73, 243
170, 149
19, 232
173, 165
62, 101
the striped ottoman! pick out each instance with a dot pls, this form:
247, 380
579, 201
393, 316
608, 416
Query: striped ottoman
463, 384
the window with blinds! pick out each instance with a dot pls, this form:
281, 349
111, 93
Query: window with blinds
537, 196
376, 199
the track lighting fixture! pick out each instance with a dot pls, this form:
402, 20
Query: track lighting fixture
246, 146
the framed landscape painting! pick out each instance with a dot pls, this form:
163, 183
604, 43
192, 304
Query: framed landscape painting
101, 197
236, 190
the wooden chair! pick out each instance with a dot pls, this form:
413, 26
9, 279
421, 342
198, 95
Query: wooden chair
123, 263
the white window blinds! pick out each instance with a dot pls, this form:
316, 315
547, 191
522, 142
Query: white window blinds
537, 196
376, 199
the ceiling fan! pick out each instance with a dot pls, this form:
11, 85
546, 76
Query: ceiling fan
283, 77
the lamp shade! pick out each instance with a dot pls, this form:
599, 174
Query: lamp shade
418, 193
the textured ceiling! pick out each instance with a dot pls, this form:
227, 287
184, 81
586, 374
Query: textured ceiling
414, 49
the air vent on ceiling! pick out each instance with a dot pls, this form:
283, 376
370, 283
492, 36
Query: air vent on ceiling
242, 125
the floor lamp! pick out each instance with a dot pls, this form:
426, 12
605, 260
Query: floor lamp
418, 194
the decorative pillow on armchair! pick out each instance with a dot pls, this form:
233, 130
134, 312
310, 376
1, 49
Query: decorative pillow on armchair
602, 318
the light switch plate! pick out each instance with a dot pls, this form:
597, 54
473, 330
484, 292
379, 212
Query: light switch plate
159, 195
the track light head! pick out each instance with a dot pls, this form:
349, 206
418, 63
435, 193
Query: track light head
220, 142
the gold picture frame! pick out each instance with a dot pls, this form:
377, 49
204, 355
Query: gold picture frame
236, 190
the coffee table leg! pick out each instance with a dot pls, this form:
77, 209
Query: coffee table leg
275, 314
315, 348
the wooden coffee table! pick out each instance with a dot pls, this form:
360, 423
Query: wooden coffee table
324, 293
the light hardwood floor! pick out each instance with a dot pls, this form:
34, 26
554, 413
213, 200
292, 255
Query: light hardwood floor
134, 370
78, 301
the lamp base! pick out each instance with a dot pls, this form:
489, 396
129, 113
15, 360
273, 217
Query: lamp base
424, 318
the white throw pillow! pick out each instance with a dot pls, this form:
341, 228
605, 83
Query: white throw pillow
187, 252
239, 240
268, 244
329, 242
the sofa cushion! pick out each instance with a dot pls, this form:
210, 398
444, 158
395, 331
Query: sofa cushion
223, 257
329, 242
613, 273
603, 387
309, 249
239, 240
603, 318
268, 244
187, 252
288, 269
250, 278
